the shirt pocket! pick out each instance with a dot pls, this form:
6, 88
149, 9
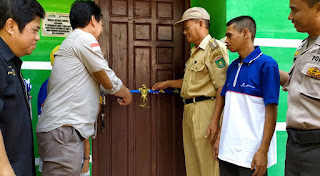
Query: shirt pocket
198, 71
311, 81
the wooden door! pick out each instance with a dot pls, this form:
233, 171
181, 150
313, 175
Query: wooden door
142, 47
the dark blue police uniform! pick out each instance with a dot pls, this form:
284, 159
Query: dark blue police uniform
15, 121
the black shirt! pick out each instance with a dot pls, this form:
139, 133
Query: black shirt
15, 120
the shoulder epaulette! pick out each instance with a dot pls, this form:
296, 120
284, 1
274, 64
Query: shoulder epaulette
213, 44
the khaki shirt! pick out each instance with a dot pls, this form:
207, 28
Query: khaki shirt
73, 93
304, 87
206, 69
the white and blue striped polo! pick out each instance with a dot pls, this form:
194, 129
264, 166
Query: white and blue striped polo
250, 86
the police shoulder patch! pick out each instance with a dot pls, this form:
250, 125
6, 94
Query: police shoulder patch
220, 62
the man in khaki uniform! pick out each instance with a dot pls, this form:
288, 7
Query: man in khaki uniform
303, 86
204, 77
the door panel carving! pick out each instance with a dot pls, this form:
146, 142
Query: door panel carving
142, 46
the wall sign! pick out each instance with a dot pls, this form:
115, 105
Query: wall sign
56, 25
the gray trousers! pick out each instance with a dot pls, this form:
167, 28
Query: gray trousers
302, 153
229, 169
61, 151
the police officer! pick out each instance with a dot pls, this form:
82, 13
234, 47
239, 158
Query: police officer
205, 74
303, 83
19, 26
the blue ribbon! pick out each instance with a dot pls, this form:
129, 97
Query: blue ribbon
153, 91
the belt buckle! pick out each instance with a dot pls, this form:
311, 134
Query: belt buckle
184, 101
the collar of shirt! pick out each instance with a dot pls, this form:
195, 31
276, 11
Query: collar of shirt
78, 30
8, 55
5, 50
252, 56
317, 41
204, 43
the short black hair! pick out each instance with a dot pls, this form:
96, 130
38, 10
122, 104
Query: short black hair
243, 22
21, 11
82, 11
311, 3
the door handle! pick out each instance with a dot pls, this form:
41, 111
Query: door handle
144, 90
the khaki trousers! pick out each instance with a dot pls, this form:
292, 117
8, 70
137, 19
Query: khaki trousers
61, 151
197, 149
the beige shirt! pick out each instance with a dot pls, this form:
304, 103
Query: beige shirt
304, 87
206, 69
73, 93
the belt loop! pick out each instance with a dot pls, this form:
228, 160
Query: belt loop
194, 100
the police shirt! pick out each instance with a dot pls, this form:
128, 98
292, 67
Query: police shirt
304, 87
206, 69
15, 120
73, 92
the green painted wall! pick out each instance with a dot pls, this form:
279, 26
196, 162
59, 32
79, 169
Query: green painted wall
217, 11
271, 17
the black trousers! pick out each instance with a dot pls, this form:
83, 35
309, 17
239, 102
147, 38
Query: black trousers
228, 169
303, 153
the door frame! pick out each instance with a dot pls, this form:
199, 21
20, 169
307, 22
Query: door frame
94, 147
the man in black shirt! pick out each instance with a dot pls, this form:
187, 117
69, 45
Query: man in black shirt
19, 26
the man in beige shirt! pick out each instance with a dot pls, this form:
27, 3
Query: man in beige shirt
303, 86
204, 77
71, 107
